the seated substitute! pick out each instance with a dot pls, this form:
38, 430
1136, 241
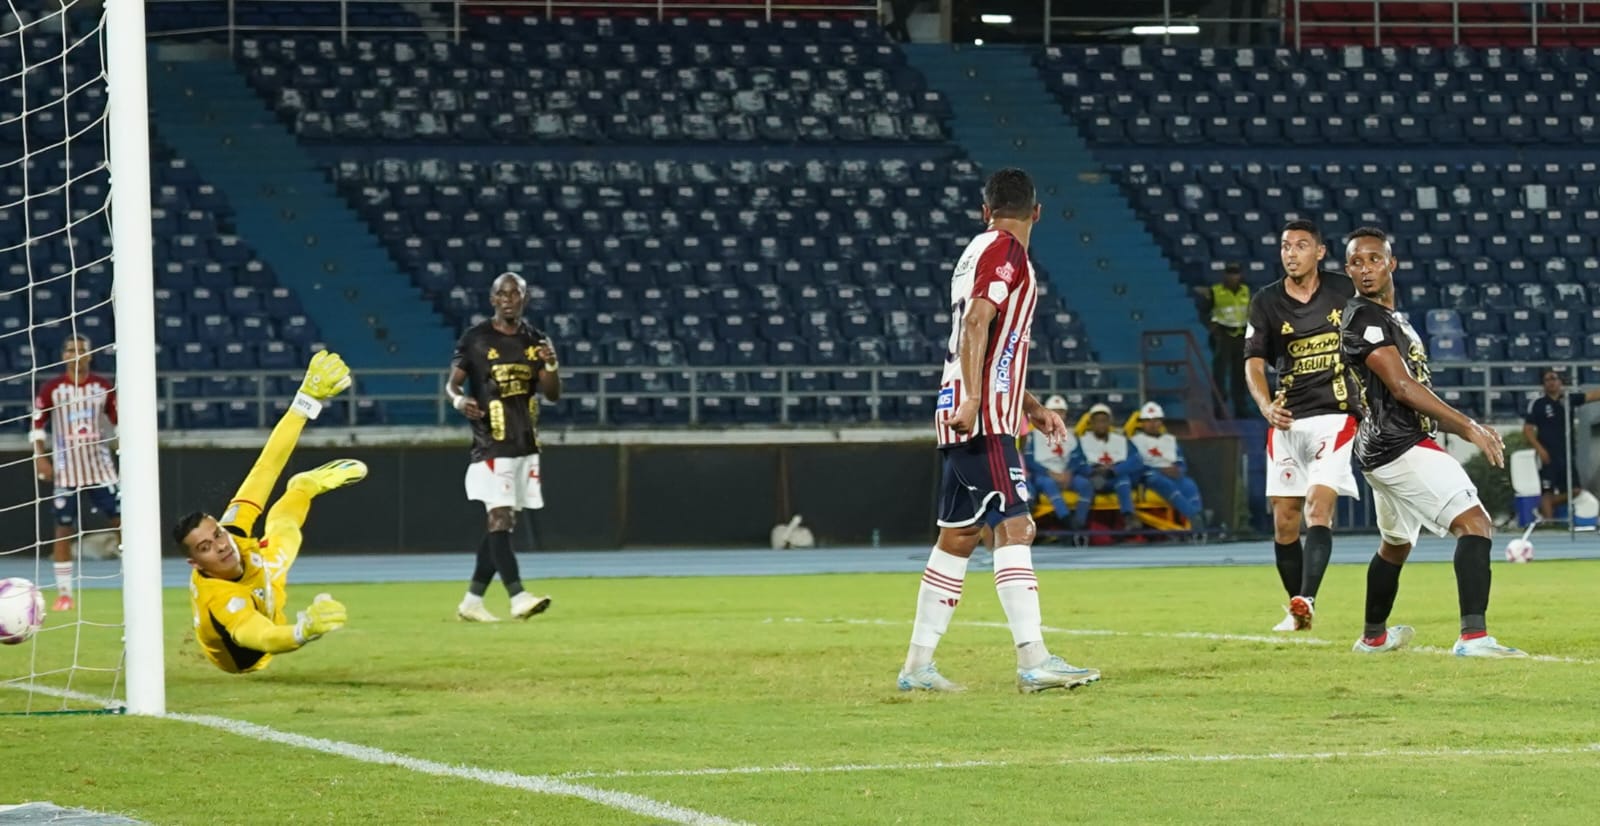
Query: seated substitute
1048, 469
1165, 471
1109, 462
239, 586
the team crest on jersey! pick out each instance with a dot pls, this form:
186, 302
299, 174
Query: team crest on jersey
1002, 377
1288, 329
529, 352
1336, 317
493, 353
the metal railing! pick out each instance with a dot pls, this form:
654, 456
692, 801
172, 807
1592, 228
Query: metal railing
1389, 17
450, 25
691, 386
1060, 23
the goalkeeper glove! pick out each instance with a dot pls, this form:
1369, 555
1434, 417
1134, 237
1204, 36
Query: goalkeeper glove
326, 377
331, 476
322, 616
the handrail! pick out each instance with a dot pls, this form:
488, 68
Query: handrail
1381, 8
450, 24
1133, 386
606, 392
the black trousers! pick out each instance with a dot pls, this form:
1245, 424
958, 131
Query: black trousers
1227, 370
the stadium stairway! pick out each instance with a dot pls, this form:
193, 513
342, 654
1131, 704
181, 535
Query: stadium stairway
291, 214
1099, 255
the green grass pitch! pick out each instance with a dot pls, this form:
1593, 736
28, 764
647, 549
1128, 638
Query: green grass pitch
646, 685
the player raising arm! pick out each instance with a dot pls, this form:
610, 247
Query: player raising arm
1415, 483
981, 410
1294, 323
239, 586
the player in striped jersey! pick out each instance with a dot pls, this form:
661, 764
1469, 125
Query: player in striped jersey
77, 460
982, 409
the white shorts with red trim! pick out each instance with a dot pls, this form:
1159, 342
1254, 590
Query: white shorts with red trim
1313, 451
506, 483
1424, 488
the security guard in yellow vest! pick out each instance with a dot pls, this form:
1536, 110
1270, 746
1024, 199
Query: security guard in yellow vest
1230, 306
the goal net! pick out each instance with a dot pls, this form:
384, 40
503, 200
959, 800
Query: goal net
77, 406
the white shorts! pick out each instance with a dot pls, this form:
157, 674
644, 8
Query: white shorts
1313, 451
506, 483
1424, 488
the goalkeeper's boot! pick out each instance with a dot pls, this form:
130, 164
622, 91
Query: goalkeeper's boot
474, 611
331, 476
1394, 638
1303, 609
525, 605
1054, 672
1486, 647
926, 678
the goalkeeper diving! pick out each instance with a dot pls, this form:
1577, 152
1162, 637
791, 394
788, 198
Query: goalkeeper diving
240, 584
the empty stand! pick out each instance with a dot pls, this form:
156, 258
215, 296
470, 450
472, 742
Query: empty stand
603, 81
1319, 97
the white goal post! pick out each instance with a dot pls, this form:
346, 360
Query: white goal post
133, 297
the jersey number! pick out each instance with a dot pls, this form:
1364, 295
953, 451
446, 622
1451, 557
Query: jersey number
1322, 447
497, 420
957, 311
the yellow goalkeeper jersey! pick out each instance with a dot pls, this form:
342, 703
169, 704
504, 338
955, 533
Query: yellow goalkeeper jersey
241, 623
227, 612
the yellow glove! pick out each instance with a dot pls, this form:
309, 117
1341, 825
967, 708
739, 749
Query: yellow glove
331, 476
326, 377
321, 617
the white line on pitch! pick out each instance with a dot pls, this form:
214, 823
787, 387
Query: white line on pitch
1284, 639
1100, 760
539, 784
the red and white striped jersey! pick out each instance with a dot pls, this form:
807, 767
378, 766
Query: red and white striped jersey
993, 268
73, 412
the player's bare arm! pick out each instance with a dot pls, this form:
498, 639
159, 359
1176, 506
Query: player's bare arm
1272, 407
1044, 419
459, 398
1389, 367
549, 376
41, 460
974, 349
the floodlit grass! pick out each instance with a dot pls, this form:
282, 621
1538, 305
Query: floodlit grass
623, 678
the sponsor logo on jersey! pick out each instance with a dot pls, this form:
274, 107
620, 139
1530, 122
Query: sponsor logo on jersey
1288, 329
1005, 272
1002, 372
947, 399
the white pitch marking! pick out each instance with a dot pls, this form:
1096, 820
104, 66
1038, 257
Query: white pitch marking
1100, 760
539, 784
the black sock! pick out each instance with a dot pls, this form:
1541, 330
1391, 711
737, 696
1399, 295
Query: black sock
505, 561
483, 574
1472, 582
1383, 582
1319, 547
1289, 563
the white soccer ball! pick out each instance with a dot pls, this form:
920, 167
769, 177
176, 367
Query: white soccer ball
21, 610
1519, 550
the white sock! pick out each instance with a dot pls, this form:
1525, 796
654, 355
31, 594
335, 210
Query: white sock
937, 598
1018, 588
64, 578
